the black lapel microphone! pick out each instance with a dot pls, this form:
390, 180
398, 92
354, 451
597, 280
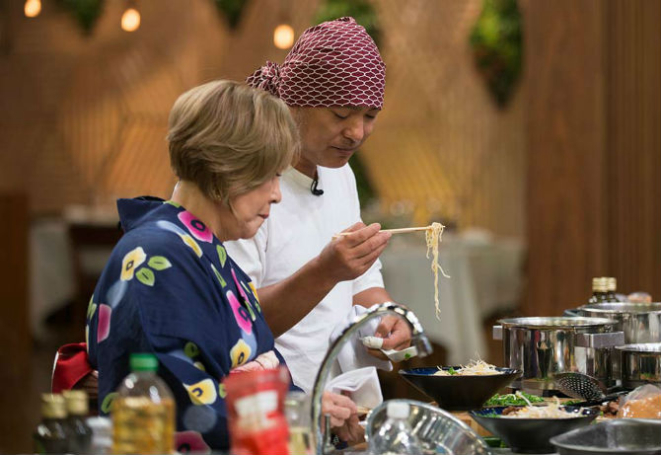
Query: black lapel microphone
313, 188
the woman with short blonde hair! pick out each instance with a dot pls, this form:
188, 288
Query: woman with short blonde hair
169, 287
229, 138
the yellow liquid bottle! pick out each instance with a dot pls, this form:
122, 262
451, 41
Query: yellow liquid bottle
143, 414
300, 441
297, 411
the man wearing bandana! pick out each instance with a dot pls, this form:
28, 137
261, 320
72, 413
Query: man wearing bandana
333, 80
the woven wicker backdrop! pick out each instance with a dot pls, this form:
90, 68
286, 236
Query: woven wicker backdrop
83, 118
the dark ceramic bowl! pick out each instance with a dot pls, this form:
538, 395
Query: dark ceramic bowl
458, 393
530, 435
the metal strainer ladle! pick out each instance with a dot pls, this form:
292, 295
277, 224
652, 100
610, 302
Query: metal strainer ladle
579, 385
584, 387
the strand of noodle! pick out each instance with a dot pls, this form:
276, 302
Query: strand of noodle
433, 236
474, 368
552, 410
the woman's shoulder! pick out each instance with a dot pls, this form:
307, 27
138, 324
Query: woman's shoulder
156, 246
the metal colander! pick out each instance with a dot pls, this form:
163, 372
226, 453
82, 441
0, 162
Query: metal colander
579, 385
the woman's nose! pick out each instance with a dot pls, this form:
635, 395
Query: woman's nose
276, 196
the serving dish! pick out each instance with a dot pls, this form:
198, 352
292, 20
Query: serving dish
530, 435
460, 392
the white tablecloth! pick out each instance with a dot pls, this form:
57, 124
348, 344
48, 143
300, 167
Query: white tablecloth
485, 278
52, 281
51, 272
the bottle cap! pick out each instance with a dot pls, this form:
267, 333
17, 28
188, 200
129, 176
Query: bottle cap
76, 401
52, 406
612, 284
599, 284
398, 410
143, 362
101, 426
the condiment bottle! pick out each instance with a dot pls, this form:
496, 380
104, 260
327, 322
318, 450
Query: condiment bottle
297, 412
80, 434
51, 435
143, 413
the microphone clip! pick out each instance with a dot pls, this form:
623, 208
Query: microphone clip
313, 188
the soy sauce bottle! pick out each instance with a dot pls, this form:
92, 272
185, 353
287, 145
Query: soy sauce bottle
80, 434
51, 434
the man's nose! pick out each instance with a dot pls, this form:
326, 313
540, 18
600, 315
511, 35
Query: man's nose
355, 131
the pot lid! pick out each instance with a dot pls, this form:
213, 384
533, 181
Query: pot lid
555, 322
622, 307
640, 347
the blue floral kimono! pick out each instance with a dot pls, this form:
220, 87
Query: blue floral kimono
169, 288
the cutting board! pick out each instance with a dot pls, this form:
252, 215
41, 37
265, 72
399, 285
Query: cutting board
468, 420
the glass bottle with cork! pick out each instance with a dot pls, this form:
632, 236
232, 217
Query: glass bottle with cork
143, 413
51, 434
80, 434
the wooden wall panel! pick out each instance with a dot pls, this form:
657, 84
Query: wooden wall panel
594, 140
565, 207
14, 309
634, 144
16, 400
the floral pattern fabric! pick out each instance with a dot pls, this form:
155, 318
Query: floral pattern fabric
169, 288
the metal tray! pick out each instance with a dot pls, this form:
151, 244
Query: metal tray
621, 436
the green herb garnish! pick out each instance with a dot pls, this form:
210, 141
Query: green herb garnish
571, 402
513, 400
452, 371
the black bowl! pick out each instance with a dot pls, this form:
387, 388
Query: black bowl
530, 435
458, 393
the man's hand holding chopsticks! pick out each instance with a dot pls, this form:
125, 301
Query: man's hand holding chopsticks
350, 255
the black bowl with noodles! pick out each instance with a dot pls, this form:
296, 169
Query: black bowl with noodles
458, 392
531, 435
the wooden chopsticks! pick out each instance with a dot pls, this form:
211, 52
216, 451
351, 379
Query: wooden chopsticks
392, 231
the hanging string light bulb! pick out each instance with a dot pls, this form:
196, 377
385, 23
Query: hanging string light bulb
32, 8
283, 36
131, 19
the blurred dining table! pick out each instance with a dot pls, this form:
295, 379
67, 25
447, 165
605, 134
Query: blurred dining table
486, 279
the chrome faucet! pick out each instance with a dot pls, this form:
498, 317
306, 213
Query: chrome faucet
418, 339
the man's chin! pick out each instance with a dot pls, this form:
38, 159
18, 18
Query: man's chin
335, 163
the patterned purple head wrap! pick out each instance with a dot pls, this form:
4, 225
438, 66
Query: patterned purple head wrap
335, 63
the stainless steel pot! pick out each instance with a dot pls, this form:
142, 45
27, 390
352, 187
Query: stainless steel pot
543, 346
640, 322
641, 364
